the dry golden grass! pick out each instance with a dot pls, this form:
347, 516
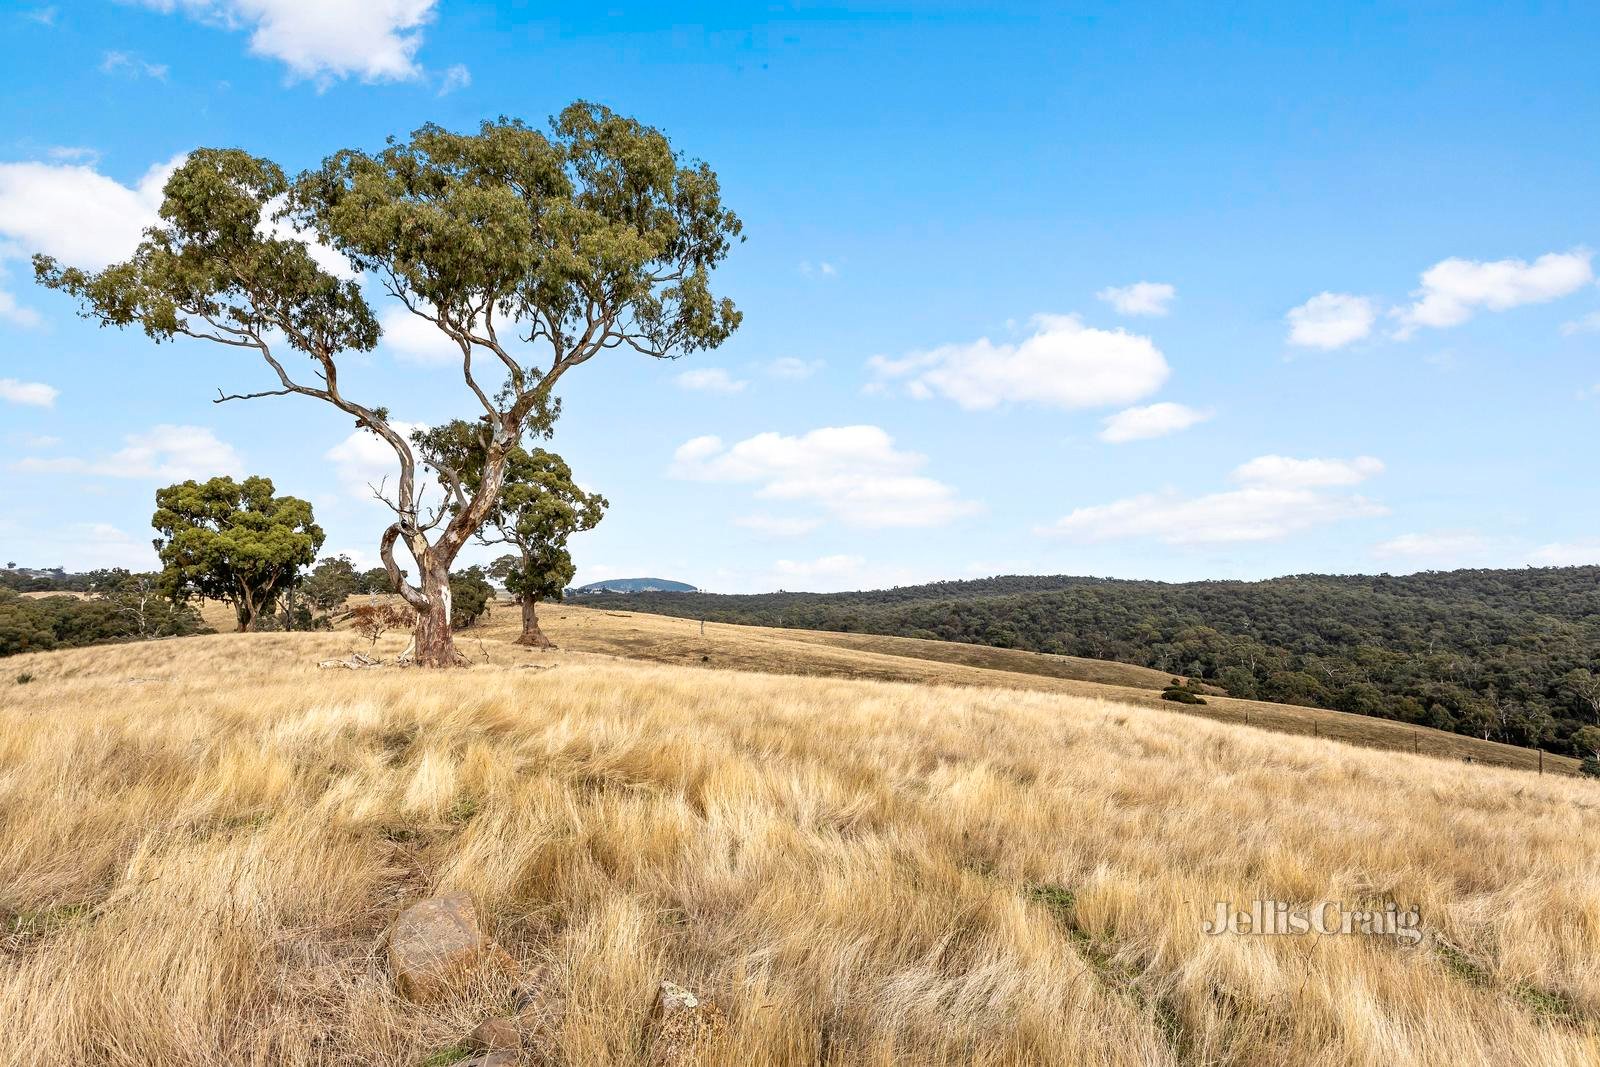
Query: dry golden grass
662, 639
203, 840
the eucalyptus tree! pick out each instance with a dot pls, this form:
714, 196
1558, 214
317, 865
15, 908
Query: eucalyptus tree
540, 507
530, 251
232, 541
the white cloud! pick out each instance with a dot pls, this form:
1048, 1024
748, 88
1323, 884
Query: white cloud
1140, 298
1286, 473
1589, 323
413, 339
90, 545
1154, 420
75, 213
376, 40
34, 440
853, 473
167, 452
1331, 320
325, 256
792, 369
710, 380
74, 154
15, 313
364, 459
410, 338
175, 452
824, 567
776, 526
1277, 497
1449, 546
456, 77
1566, 554
85, 219
1063, 364
1453, 290
132, 65
818, 270
33, 394
44, 16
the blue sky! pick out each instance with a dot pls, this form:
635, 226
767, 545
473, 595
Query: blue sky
1131, 291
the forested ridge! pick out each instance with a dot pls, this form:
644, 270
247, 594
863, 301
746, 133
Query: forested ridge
1507, 655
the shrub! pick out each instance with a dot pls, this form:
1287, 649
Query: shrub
1180, 692
372, 621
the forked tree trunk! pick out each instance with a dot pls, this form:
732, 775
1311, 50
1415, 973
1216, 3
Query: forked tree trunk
532, 636
433, 642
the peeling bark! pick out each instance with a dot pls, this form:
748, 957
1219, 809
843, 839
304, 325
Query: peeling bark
434, 642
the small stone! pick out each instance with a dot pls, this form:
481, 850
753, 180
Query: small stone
541, 1008
682, 1027
493, 1034
675, 998
490, 1059
433, 943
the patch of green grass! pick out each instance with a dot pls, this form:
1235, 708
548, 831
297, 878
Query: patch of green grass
400, 835
1058, 898
1545, 1003
1113, 974
45, 921
1548, 1004
447, 1056
462, 810
1459, 964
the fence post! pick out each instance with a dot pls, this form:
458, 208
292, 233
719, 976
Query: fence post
1541, 761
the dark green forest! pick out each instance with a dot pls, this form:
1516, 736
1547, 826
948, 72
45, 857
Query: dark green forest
1506, 655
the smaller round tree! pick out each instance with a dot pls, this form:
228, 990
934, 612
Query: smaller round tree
232, 541
540, 507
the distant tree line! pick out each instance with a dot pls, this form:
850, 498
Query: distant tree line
106, 606
103, 605
1504, 655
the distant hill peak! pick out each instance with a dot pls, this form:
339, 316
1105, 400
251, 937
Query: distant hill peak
635, 585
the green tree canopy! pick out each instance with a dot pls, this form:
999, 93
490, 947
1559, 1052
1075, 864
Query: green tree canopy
331, 582
232, 541
532, 251
471, 593
539, 509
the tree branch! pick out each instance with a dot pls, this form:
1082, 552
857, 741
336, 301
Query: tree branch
223, 398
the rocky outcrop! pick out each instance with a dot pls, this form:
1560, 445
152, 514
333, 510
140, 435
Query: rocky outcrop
434, 945
496, 1035
682, 1027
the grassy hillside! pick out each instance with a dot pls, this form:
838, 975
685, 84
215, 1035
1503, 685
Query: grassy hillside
666, 639
205, 839
1512, 655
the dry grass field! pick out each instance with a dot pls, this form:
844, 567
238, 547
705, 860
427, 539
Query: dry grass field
662, 639
203, 841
